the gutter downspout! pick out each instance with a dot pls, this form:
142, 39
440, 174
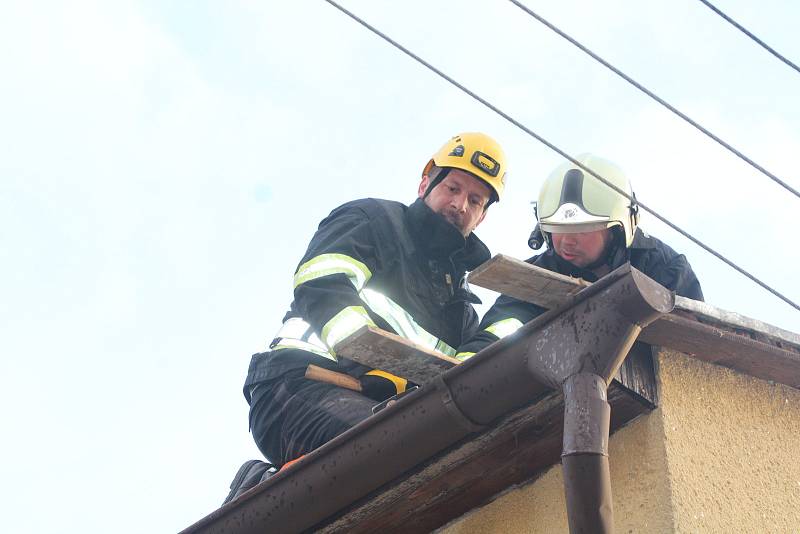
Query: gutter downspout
584, 457
584, 378
509, 374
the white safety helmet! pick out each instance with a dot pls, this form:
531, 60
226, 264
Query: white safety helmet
572, 200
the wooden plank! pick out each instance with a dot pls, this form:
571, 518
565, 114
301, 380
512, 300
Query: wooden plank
391, 353
524, 281
518, 448
699, 329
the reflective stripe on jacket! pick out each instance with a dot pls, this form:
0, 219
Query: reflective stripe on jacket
378, 263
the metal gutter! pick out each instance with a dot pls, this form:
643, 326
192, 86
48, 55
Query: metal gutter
591, 332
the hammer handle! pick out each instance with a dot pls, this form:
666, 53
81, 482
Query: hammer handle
320, 374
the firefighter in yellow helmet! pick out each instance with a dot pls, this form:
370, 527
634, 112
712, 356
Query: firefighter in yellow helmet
472, 162
372, 263
590, 229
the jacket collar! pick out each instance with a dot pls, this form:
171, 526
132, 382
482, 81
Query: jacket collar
642, 240
437, 237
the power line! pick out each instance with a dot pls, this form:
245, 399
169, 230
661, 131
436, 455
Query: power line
744, 30
557, 150
655, 97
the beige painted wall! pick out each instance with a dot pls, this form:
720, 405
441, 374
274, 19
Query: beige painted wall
721, 454
733, 449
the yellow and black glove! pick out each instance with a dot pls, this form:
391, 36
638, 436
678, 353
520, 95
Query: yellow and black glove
380, 385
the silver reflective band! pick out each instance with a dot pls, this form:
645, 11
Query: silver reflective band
294, 327
402, 322
328, 264
287, 343
291, 334
505, 327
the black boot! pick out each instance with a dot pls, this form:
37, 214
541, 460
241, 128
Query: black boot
249, 475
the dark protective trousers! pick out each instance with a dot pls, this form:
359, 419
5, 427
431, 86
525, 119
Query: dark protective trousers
291, 415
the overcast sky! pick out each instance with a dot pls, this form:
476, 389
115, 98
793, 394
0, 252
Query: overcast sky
164, 164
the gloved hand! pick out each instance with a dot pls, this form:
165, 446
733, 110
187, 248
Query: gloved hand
380, 385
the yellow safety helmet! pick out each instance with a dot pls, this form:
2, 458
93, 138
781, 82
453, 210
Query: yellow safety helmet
572, 200
476, 153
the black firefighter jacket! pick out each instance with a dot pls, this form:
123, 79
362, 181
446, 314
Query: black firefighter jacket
647, 254
380, 263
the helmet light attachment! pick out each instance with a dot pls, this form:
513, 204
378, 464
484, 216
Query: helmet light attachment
485, 162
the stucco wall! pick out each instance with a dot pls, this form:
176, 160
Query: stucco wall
721, 454
639, 486
733, 449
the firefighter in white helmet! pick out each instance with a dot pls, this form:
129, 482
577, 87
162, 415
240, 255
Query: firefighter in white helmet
372, 263
590, 230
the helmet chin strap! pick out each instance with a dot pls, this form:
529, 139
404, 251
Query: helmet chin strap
443, 172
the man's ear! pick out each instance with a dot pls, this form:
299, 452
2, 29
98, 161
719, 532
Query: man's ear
423, 186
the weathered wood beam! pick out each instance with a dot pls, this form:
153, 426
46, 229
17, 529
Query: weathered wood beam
725, 347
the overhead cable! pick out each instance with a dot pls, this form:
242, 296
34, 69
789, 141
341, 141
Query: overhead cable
557, 150
655, 97
744, 30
